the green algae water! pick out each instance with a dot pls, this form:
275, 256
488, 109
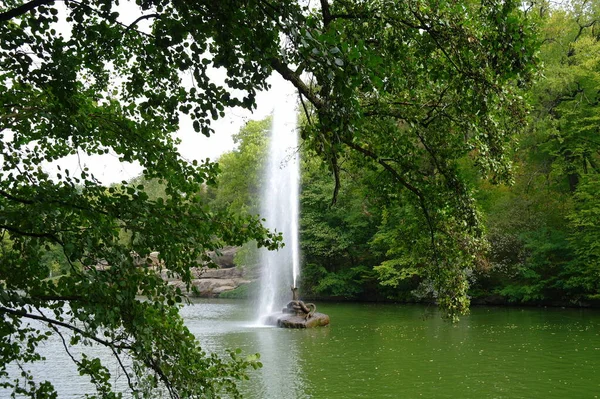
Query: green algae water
390, 351
408, 351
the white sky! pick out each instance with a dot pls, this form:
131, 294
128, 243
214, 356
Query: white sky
108, 169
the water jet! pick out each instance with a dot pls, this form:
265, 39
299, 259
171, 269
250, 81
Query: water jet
280, 207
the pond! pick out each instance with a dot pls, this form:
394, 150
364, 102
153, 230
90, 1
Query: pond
399, 351
408, 351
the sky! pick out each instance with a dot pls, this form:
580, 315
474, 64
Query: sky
108, 169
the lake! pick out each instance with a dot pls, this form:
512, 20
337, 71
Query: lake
401, 351
408, 351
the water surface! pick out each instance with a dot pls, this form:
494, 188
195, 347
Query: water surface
393, 351
408, 351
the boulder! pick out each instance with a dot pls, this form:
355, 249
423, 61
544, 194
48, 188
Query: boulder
149, 261
209, 287
225, 257
223, 288
206, 272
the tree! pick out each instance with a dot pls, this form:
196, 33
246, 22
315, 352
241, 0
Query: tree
412, 89
566, 101
406, 87
239, 180
585, 239
541, 238
59, 95
334, 240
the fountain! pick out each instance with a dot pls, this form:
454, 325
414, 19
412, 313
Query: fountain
298, 314
280, 208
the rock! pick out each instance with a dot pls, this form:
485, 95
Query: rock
206, 272
169, 276
149, 261
208, 287
225, 258
178, 284
223, 288
209, 282
286, 320
102, 265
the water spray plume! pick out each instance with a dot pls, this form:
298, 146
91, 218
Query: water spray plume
280, 204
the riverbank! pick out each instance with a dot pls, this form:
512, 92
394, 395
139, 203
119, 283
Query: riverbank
232, 281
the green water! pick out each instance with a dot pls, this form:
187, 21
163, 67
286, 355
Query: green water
407, 351
388, 351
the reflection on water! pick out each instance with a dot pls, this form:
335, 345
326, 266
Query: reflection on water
59, 369
228, 324
280, 376
399, 351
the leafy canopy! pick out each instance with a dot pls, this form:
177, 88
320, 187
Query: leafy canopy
413, 89
76, 79
408, 88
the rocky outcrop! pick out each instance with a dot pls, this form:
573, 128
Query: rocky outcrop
210, 282
205, 272
225, 258
209, 287
207, 281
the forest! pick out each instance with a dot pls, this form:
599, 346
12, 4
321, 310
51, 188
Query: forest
542, 225
450, 155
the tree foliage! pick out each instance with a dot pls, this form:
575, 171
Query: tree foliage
542, 246
405, 89
76, 79
240, 179
411, 89
335, 239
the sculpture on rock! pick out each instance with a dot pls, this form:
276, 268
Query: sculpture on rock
298, 314
299, 308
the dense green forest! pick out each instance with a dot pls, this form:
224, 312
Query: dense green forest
542, 227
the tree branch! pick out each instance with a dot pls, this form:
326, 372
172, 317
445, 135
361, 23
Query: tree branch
154, 365
387, 166
122, 366
27, 7
350, 16
336, 175
143, 17
291, 77
71, 327
23, 9
305, 110
31, 234
405, 183
16, 199
326, 13
51, 201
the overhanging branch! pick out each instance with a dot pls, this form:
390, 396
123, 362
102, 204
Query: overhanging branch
17, 231
291, 77
326, 13
71, 327
143, 17
405, 183
30, 6
23, 9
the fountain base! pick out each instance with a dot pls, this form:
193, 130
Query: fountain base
298, 314
287, 320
